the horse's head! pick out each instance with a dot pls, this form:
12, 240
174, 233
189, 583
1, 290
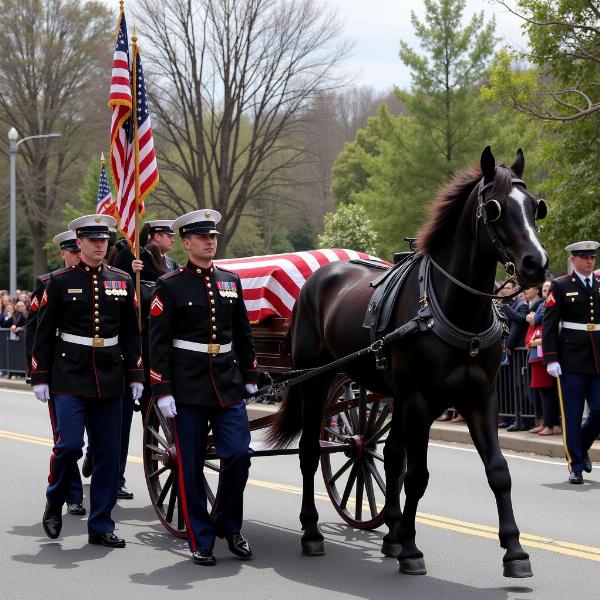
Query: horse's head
508, 212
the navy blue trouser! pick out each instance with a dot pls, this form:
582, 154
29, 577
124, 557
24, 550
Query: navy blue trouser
74, 493
103, 420
126, 418
576, 388
232, 441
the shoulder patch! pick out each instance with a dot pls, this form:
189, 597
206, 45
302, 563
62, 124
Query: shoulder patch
156, 306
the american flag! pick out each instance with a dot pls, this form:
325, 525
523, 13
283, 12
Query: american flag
104, 204
272, 283
120, 102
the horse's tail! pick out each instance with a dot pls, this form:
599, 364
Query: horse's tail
288, 420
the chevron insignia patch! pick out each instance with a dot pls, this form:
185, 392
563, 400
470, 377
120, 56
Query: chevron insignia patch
156, 307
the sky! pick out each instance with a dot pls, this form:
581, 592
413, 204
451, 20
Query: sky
377, 26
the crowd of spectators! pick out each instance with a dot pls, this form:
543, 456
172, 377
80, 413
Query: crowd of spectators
13, 313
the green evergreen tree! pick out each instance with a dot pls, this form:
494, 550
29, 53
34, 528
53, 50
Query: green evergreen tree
348, 227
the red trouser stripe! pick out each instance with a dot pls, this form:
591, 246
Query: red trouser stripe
182, 496
54, 436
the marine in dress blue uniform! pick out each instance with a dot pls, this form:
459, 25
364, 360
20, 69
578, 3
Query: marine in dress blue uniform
571, 343
202, 365
93, 308
71, 255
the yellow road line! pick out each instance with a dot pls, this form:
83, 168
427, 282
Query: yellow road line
441, 522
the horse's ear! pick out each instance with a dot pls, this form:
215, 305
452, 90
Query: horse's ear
488, 164
519, 165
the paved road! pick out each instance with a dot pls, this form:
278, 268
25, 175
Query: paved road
457, 517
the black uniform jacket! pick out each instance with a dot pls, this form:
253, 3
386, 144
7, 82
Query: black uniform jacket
32, 316
203, 306
568, 300
81, 300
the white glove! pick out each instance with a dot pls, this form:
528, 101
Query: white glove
136, 390
553, 369
166, 405
251, 388
42, 392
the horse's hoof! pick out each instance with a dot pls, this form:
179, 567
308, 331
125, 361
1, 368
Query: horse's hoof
412, 566
313, 548
518, 568
391, 549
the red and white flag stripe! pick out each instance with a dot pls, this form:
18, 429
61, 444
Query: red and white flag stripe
272, 283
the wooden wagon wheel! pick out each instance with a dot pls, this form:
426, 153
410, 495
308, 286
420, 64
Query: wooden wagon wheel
355, 479
160, 468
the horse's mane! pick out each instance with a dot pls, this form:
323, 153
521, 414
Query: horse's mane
447, 206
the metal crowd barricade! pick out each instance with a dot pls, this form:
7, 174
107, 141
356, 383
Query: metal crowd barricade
13, 358
512, 388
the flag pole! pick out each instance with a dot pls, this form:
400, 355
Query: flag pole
102, 161
136, 146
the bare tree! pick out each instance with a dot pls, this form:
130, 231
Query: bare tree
231, 80
54, 65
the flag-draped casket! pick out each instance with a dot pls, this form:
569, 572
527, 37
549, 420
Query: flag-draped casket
272, 283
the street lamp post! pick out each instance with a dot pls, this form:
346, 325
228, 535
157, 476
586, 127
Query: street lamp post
13, 137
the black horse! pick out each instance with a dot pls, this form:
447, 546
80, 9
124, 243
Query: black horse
482, 216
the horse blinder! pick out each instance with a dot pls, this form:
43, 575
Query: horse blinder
541, 210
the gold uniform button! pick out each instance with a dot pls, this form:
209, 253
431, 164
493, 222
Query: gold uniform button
212, 301
87, 268
213, 310
96, 298
214, 336
207, 278
97, 320
208, 285
214, 327
210, 293
189, 304
213, 319
96, 313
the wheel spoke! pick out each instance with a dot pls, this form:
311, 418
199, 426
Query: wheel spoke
171, 507
350, 411
378, 434
375, 454
360, 487
345, 422
362, 411
383, 415
349, 486
209, 493
344, 468
158, 472
212, 466
166, 488
372, 416
154, 449
159, 438
335, 434
370, 491
376, 476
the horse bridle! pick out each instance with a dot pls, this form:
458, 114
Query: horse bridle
491, 211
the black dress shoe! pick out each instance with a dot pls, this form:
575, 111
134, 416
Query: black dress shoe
575, 477
108, 539
239, 545
86, 467
124, 494
206, 558
52, 521
76, 509
503, 424
587, 463
514, 427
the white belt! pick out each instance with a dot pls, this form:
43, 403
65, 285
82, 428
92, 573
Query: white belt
86, 341
206, 348
580, 326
